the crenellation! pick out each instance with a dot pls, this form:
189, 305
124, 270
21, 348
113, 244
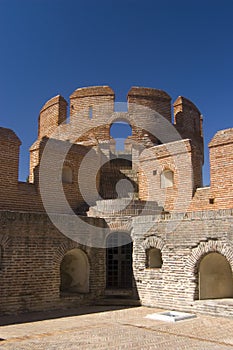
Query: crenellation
151, 193
52, 114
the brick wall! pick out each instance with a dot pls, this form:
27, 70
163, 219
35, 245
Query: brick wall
32, 250
52, 114
221, 168
154, 99
177, 157
183, 241
192, 220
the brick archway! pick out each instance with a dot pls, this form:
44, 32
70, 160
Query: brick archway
198, 253
58, 256
62, 250
207, 247
153, 242
75, 272
121, 226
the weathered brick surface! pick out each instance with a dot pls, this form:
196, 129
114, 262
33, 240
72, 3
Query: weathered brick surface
183, 241
185, 221
30, 268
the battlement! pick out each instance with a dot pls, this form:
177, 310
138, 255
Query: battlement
187, 117
148, 198
92, 102
154, 99
222, 137
52, 114
9, 159
148, 93
92, 91
9, 136
100, 100
182, 103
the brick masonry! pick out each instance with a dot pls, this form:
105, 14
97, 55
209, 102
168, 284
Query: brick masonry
185, 221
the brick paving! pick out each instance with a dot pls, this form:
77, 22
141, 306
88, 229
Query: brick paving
100, 328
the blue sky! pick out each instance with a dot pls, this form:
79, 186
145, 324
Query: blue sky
51, 47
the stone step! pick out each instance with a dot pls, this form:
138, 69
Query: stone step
215, 306
124, 206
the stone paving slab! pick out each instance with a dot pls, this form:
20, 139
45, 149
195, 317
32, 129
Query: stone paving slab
118, 329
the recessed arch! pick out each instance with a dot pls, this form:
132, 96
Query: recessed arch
154, 258
153, 252
215, 277
197, 254
167, 178
75, 272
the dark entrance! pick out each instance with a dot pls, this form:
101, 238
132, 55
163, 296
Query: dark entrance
119, 261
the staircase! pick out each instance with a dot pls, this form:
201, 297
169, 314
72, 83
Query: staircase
123, 207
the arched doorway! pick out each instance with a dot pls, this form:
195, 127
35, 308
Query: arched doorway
215, 277
119, 261
74, 271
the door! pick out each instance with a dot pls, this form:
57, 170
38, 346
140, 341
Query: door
119, 261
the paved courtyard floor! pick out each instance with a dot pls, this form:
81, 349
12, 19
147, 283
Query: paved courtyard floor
113, 328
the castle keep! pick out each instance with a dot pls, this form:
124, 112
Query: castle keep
96, 224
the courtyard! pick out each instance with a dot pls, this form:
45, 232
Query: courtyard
103, 327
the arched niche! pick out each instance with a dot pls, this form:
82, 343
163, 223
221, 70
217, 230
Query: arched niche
167, 178
154, 258
215, 277
75, 272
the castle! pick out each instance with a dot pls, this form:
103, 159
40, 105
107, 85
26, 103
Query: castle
96, 225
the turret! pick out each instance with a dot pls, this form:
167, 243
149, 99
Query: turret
187, 117
188, 122
52, 114
89, 102
9, 159
221, 168
157, 100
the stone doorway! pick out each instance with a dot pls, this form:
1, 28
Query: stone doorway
119, 271
215, 277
